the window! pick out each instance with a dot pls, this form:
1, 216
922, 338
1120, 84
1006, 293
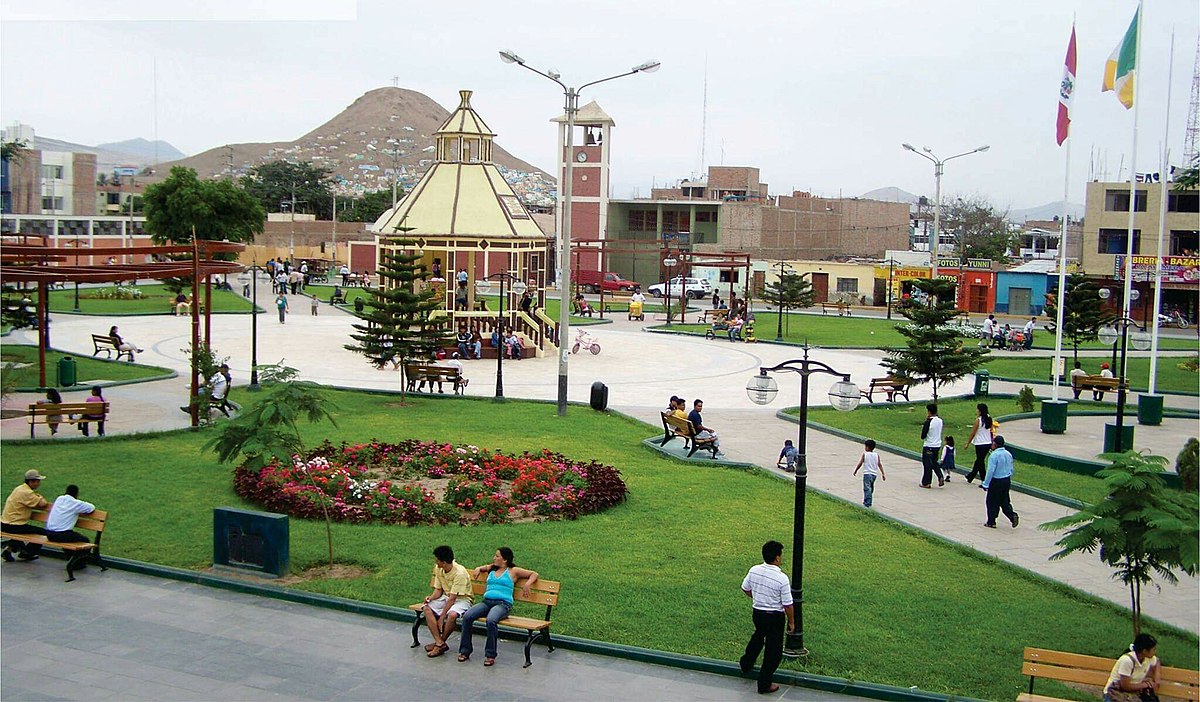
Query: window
1112, 241
676, 222
847, 285
52, 203
52, 172
1183, 202
706, 217
643, 220
1184, 243
728, 276
1118, 201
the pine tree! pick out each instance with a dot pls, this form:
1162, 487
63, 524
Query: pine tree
1084, 314
790, 292
935, 352
399, 323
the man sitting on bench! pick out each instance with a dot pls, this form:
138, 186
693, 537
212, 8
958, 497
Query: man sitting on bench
703, 432
18, 509
64, 513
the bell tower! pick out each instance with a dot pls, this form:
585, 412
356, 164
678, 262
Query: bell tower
589, 196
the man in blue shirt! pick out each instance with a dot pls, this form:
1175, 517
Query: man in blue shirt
997, 483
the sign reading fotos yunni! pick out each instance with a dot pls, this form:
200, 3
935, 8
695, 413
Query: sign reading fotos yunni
971, 264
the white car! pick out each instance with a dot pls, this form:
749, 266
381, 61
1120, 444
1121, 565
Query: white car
691, 287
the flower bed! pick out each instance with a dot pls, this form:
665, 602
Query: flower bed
416, 482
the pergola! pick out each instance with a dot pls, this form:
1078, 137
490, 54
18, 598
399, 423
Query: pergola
25, 264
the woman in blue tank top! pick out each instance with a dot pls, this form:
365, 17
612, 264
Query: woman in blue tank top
497, 602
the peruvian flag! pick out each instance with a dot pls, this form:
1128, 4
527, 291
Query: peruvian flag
1066, 91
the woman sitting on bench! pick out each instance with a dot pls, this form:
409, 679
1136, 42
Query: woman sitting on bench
497, 602
121, 344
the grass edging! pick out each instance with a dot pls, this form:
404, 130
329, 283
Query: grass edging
1157, 391
913, 455
603, 648
79, 387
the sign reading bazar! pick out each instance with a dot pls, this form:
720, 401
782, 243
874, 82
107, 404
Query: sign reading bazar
1175, 269
971, 264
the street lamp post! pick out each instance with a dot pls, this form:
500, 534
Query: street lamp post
844, 396
935, 242
891, 274
669, 263
571, 96
254, 270
779, 284
1141, 342
517, 287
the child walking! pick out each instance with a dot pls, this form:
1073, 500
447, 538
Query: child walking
871, 467
947, 459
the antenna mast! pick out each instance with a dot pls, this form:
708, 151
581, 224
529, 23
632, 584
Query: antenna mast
1191, 138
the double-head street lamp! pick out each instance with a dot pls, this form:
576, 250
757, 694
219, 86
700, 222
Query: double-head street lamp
927, 154
843, 396
518, 287
1141, 342
571, 96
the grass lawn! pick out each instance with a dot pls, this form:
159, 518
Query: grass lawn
87, 370
1170, 376
154, 300
900, 425
662, 570
832, 331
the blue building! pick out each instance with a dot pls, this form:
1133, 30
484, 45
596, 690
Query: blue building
1022, 290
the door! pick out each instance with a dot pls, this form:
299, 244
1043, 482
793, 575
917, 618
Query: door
760, 279
1018, 301
879, 295
820, 285
979, 299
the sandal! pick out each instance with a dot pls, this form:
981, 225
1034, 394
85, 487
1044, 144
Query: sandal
464, 657
439, 650
488, 662
430, 646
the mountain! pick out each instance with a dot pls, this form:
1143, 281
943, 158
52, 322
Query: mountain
149, 151
384, 127
1047, 211
891, 194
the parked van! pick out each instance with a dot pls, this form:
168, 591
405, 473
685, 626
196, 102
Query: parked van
592, 281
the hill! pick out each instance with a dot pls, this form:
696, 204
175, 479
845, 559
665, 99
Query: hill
113, 155
384, 129
891, 194
148, 151
1046, 212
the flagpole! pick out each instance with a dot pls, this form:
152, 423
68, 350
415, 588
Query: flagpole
1137, 79
1062, 249
1162, 222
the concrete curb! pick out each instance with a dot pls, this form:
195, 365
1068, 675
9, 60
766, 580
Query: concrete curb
106, 384
1031, 381
697, 458
634, 653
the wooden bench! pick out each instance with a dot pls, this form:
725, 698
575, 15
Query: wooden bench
542, 592
78, 552
712, 316
677, 426
417, 374
65, 413
105, 343
1093, 670
617, 300
893, 387
1080, 383
840, 307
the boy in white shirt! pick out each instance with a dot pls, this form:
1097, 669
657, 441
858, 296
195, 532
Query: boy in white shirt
871, 467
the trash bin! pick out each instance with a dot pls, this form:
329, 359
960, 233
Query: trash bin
66, 372
599, 396
359, 304
1054, 417
1150, 410
982, 379
1110, 437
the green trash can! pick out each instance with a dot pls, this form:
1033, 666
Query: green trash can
1150, 410
1110, 438
66, 372
982, 380
1054, 417
359, 304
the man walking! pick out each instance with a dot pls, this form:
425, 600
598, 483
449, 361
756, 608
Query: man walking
997, 483
18, 509
931, 435
771, 592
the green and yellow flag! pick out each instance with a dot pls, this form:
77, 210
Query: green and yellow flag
1121, 67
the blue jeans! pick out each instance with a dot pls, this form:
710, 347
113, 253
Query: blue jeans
868, 489
495, 611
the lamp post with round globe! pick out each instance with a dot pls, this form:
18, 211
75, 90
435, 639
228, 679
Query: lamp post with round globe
844, 397
1115, 439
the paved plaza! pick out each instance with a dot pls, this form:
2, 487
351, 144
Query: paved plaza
121, 636
641, 370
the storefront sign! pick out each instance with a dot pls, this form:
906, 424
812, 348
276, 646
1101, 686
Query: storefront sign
1175, 269
972, 264
900, 273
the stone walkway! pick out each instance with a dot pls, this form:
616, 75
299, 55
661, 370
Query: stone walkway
1085, 436
642, 370
122, 636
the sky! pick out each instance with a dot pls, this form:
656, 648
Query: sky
818, 94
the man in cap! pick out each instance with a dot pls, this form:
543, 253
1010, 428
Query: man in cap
18, 509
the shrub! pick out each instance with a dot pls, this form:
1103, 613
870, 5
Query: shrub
1026, 399
1187, 465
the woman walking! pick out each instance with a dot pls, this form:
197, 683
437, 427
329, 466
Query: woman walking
497, 602
981, 439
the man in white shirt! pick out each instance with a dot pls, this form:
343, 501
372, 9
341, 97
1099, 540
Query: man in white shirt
1029, 333
64, 513
771, 592
989, 330
931, 435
